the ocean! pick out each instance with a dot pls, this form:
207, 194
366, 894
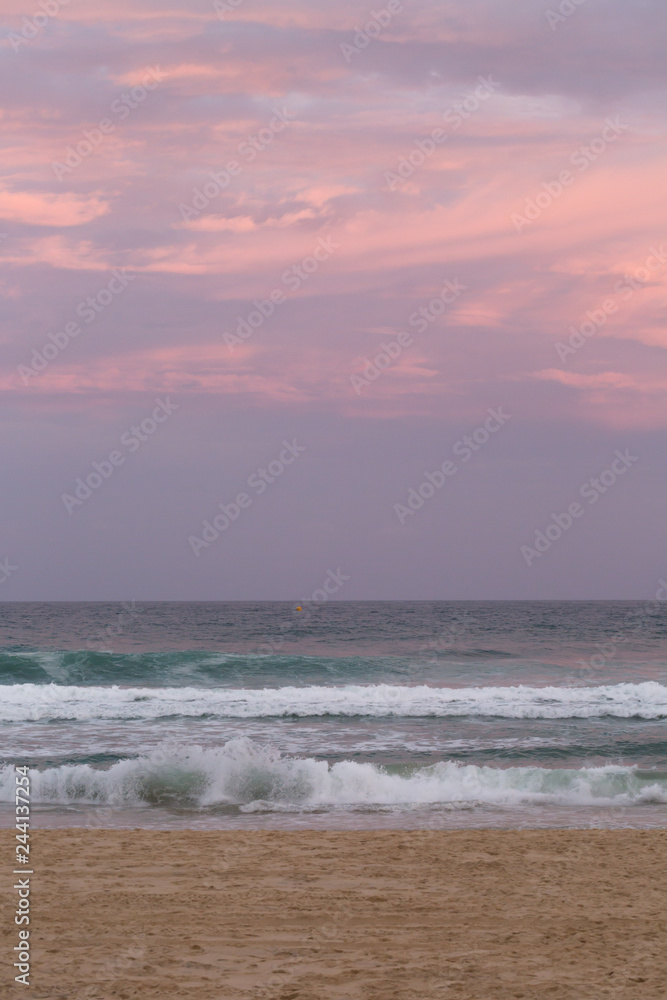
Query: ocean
339, 715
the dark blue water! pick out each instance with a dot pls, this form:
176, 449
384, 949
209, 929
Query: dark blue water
339, 714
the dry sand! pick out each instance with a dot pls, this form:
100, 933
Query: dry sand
339, 916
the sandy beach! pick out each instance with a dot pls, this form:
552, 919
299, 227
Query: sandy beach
345, 915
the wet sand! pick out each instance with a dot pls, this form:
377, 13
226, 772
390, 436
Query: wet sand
471, 915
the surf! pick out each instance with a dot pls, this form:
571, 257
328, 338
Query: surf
253, 777
31, 702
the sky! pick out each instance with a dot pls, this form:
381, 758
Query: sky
304, 291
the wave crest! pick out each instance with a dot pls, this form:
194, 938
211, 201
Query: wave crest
34, 702
253, 778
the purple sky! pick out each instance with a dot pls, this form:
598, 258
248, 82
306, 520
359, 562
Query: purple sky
471, 193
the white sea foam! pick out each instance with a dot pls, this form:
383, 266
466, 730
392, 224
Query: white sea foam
33, 702
255, 778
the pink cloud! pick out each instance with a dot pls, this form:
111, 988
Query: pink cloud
326, 175
605, 380
50, 210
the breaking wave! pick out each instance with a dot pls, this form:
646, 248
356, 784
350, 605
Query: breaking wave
33, 702
251, 777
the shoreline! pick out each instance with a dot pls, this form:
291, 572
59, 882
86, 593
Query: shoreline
466, 914
505, 820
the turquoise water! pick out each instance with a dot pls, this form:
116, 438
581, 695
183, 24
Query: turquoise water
342, 714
